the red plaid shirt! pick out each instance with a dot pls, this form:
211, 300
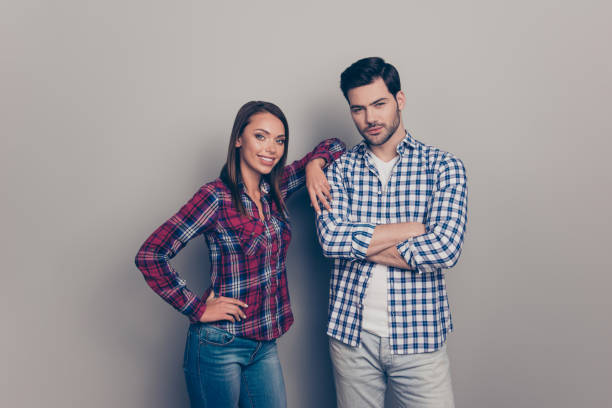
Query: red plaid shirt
247, 254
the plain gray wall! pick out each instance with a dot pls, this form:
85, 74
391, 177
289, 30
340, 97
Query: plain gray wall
113, 113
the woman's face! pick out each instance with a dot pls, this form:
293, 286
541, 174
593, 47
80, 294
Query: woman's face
261, 144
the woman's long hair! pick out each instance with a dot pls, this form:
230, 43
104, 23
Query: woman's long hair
230, 174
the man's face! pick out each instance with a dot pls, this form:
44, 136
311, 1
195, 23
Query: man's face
375, 111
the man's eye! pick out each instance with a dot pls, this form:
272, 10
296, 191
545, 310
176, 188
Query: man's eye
356, 110
380, 104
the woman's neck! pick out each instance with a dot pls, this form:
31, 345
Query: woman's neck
251, 180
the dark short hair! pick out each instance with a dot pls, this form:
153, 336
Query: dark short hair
365, 71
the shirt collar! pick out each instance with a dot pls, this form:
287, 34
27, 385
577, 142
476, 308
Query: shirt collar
264, 186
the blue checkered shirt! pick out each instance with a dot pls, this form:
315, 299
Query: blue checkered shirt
427, 185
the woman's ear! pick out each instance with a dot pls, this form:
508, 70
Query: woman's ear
238, 142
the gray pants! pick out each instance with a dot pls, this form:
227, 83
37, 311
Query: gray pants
362, 374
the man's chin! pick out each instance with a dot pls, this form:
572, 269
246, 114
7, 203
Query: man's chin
375, 140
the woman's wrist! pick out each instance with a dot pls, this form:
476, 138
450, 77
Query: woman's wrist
319, 162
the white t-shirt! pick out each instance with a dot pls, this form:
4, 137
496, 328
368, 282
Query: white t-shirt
375, 311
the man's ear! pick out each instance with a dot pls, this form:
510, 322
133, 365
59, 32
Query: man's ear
401, 99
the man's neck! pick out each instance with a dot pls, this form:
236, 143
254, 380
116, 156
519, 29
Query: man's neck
388, 150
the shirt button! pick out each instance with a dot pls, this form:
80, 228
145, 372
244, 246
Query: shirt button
379, 192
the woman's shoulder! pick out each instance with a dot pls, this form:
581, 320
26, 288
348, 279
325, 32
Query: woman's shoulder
215, 186
218, 190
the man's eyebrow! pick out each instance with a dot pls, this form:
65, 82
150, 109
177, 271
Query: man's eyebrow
373, 103
379, 100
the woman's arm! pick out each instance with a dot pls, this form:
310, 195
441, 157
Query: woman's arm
295, 174
317, 185
153, 259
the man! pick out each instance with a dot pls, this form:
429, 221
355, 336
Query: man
399, 210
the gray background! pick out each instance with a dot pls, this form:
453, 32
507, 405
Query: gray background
113, 113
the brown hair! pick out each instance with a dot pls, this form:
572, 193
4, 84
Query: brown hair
365, 71
230, 174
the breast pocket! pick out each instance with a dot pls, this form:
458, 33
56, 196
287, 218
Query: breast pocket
242, 232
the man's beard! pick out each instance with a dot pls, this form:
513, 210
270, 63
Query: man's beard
383, 138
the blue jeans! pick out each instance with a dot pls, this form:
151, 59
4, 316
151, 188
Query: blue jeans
363, 373
223, 370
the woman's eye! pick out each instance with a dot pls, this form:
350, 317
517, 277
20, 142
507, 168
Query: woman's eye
259, 136
280, 141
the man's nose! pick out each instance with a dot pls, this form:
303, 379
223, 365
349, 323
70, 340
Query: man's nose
370, 116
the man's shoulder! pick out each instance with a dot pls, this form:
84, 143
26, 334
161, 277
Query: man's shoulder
348, 159
436, 157
354, 152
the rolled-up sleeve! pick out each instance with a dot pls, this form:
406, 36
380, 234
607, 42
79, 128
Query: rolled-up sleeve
338, 235
440, 246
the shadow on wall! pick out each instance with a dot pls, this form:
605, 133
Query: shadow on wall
303, 350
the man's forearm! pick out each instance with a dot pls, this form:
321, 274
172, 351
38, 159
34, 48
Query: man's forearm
389, 257
388, 235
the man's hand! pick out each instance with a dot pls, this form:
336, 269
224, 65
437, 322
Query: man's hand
388, 235
222, 308
390, 257
317, 185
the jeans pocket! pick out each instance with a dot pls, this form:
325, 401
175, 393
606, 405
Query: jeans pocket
215, 336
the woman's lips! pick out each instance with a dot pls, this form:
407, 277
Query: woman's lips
268, 161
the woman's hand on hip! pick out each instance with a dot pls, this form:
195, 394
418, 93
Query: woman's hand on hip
317, 185
223, 308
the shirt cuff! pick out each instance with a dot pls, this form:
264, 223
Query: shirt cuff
200, 308
361, 237
325, 155
411, 257
197, 313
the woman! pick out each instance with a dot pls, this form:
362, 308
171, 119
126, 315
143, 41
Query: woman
230, 354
